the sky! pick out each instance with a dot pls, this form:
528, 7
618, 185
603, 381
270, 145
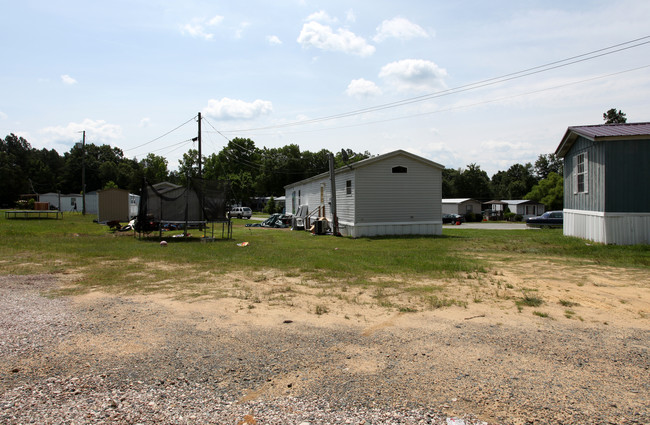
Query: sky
443, 80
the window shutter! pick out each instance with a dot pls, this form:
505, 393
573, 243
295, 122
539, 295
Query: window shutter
586, 174
575, 174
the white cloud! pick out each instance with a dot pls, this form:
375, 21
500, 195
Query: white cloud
350, 16
145, 122
241, 29
235, 109
3, 116
68, 80
399, 28
97, 132
362, 88
197, 28
273, 40
414, 75
321, 16
216, 20
322, 37
503, 146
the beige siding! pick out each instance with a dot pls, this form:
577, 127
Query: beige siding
113, 204
384, 196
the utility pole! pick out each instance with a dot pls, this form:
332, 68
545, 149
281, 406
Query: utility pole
335, 219
83, 174
199, 140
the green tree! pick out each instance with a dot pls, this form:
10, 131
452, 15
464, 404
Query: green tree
549, 191
546, 164
111, 185
513, 183
155, 168
188, 166
473, 183
270, 207
614, 117
450, 182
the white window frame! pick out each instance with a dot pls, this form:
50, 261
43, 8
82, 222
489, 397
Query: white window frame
581, 172
348, 187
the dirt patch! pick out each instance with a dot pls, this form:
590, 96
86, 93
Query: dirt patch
276, 346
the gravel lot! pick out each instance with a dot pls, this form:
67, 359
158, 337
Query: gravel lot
102, 358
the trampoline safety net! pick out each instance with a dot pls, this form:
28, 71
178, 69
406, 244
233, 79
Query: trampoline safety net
200, 202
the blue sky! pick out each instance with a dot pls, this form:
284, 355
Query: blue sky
128, 72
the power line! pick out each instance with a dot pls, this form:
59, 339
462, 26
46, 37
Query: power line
452, 108
472, 86
160, 137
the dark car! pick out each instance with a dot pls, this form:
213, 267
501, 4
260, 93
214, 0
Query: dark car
452, 219
547, 220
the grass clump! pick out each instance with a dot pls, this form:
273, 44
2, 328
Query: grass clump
540, 314
529, 301
567, 303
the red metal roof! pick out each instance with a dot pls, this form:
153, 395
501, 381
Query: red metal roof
613, 130
602, 132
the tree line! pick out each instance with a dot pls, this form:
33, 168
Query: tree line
252, 171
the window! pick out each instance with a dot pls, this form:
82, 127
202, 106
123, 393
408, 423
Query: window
581, 173
348, 187
469, 208
399, 170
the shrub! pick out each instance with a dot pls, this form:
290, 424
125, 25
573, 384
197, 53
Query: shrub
519, 217
509, 216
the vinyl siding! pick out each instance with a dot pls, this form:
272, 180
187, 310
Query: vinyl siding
384, 197
628, 176
594, 198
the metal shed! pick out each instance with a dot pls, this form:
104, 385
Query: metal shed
116, 205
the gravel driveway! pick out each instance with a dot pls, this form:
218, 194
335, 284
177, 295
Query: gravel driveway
131, 360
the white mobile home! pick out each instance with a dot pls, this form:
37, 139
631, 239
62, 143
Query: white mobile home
63, 202
397, 193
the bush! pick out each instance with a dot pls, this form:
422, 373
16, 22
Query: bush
270, 207
509, 216
519, 217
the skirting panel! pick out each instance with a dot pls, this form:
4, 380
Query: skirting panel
608, 228
391, 229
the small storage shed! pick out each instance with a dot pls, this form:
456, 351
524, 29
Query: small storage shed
606, 175
397, 193
116, 204
63, 202
460, 206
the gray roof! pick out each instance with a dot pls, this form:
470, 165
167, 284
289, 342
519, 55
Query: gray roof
603, 132
369, 161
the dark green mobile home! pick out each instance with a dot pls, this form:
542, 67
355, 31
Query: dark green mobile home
607, 182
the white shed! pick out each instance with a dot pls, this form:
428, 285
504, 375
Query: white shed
397, 193
460, 206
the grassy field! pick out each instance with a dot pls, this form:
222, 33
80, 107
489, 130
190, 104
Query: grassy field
121, 263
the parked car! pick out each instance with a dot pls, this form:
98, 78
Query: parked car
277, 220
547, 220
452, 219
240, 212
